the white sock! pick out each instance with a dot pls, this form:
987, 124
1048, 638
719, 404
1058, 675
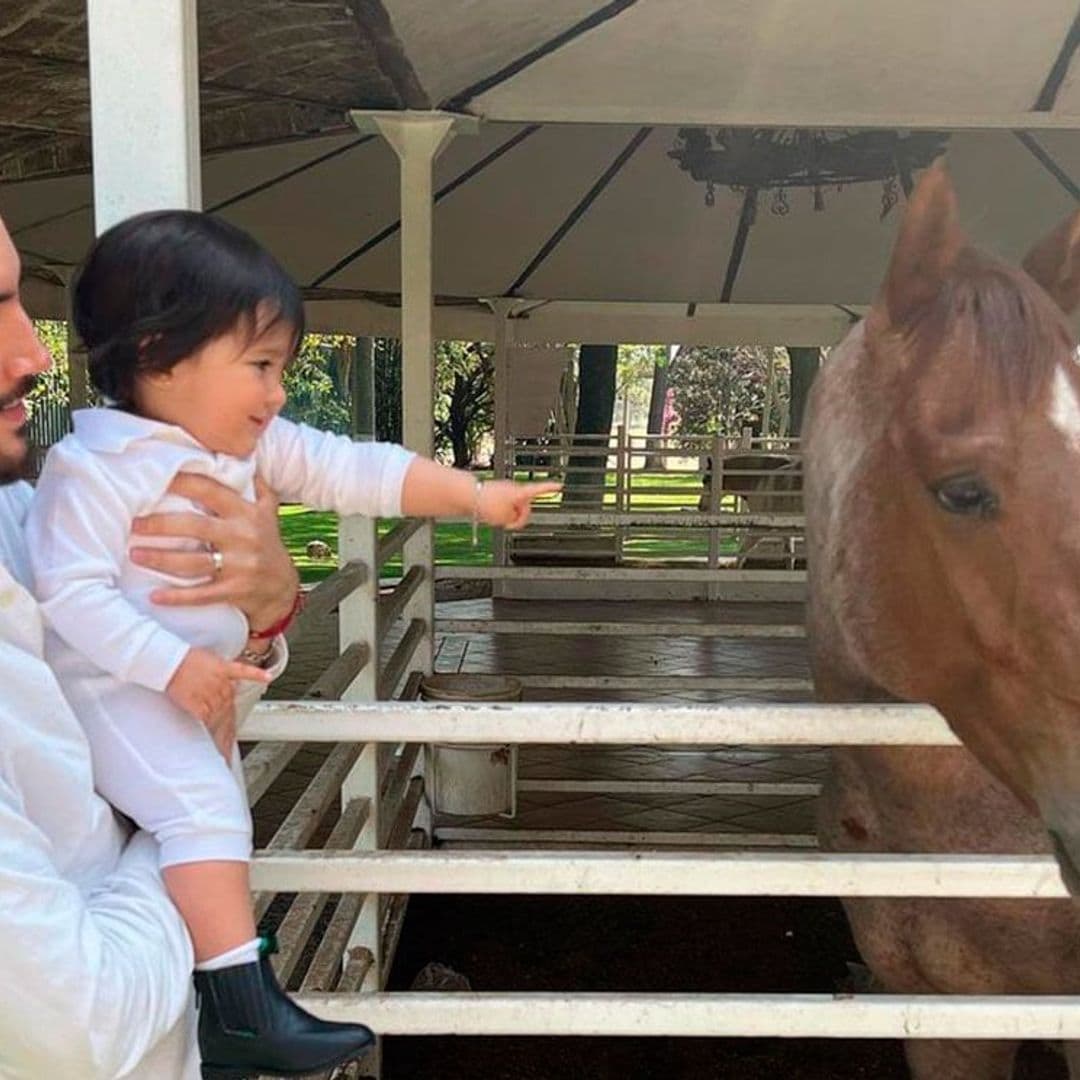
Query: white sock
248, 953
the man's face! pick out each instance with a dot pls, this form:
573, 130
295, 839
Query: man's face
22, 359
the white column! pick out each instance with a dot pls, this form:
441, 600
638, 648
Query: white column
417, 139
503, 310
144, 107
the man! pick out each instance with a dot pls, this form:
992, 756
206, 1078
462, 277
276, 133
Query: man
96, 961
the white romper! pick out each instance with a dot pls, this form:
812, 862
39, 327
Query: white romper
114, 651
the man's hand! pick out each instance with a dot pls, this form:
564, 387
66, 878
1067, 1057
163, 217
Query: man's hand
204, 687
256, 572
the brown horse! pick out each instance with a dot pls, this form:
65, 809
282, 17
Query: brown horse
943, 532
766, 483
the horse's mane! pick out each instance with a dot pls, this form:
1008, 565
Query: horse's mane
998, 315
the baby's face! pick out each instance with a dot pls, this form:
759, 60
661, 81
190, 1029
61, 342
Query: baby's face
228, 392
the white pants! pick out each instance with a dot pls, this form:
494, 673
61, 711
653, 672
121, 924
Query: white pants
159, 766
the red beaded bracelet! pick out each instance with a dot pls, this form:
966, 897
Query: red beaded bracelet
282, 624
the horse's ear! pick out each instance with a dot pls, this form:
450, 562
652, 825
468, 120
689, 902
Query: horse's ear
1054, 263
926, 246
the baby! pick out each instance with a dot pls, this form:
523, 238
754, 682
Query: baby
189, 325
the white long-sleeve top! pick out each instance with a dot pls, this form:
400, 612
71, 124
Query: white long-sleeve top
116, 466
96, 962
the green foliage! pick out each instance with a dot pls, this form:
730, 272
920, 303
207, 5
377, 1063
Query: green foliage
634, 371
722, 390
52, 385
388, 390
464, 399
317, 383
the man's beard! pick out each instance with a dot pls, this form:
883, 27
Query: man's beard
17, 467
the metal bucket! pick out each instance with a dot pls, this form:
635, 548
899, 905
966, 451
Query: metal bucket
470, 778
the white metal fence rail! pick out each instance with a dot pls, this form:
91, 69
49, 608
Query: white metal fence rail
376, 872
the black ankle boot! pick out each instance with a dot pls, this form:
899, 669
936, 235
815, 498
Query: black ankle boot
249, 1026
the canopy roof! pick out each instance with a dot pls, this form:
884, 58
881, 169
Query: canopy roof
568, 191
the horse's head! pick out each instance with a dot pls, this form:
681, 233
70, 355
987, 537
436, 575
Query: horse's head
943, 501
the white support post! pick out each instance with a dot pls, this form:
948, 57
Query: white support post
144, 107
716, 495
363, 783
417, 139
502, 455
622, 484
358, 541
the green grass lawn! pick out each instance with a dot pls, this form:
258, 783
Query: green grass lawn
453, 540
299, 526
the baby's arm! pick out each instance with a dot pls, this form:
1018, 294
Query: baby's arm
331, 472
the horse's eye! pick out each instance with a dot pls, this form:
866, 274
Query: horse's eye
966, 495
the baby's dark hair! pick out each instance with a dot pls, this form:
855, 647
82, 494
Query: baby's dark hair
157, 287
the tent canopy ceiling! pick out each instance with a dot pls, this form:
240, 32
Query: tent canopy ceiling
646, 236
761, 62
589, 210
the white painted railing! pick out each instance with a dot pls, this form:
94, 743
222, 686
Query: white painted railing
379, 783
669, 502
646, 872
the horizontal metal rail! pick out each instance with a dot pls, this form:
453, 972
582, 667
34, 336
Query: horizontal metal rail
603, 873
566, 627
295, 832
520, 839
782, 1016
757, 788
748, 684
601, 724
678, 516
618, 573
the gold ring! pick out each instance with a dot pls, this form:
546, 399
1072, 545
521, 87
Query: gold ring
218, 560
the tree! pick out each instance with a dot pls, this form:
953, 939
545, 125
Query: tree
633, 371
388, 390
464, 398
596, 405
722, 390
316, 382
804, 366
658, 397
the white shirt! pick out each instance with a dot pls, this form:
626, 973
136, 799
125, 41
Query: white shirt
95, 971
116, 466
